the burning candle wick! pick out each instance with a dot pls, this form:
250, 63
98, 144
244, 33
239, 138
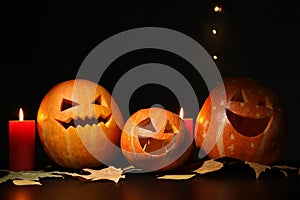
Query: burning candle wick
21, 115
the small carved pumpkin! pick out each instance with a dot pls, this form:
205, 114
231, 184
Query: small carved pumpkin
78, 124
155, 139
249, 124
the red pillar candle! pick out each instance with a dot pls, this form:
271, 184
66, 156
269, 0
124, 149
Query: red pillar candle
189, 122
21, 144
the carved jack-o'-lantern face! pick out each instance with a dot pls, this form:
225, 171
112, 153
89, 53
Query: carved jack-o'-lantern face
78, 124
250, 124
155, 139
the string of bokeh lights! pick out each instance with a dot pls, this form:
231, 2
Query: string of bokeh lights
218, 9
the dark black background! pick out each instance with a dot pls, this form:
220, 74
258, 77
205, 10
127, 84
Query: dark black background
44, 43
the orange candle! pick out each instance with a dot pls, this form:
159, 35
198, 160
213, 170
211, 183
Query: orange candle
21, 144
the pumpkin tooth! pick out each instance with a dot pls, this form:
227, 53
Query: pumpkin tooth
104, 119
86, 121
67, 124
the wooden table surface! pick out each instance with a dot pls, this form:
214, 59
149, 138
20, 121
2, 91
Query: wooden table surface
224, 184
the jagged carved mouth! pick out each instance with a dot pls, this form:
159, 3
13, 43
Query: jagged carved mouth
249, 127
155, 146
84, 122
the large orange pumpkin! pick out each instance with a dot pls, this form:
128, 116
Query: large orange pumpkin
249, 124
155, 139
78, 124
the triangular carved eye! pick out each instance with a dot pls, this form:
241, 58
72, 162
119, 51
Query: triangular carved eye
265, 102
262, 102
147, 124
97, 101
268, 103
66, 104
240, 96
170, 129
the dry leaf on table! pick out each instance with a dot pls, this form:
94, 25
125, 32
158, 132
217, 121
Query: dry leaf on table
26, 182
109, 173
29, 176
258, 168
177, 176
284, 169
209, 166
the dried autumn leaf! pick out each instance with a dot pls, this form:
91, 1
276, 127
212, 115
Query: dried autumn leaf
284, 169
177, 176
29, 175
26, 182
209, 166
258, 168
109, 173
131, 169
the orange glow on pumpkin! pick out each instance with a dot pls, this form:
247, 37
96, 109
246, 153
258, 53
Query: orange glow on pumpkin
77, 121
155, 139
252, 126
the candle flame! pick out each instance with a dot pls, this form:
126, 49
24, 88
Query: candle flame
181, 113
21, 115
